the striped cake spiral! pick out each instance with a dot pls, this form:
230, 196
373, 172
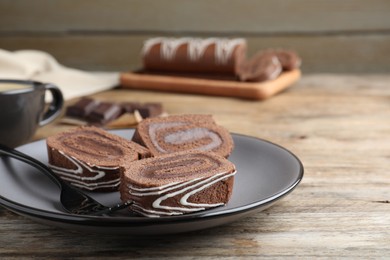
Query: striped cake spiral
90, 158
163, 135
177, 183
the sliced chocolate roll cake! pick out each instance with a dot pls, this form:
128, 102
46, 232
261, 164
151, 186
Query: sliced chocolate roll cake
90, 158
163, 135
177, 183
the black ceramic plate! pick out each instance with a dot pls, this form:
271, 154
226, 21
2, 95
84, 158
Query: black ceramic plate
265, 173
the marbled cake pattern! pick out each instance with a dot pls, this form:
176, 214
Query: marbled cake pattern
90, 158
178, 183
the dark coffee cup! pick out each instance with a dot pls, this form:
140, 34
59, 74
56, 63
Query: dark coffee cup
23, 109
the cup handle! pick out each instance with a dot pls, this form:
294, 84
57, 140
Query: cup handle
54, 108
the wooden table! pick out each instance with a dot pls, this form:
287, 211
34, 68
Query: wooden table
339, 126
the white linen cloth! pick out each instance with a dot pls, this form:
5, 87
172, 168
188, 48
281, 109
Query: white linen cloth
41, 66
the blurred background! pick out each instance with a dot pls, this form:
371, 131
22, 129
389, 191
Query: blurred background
331, 36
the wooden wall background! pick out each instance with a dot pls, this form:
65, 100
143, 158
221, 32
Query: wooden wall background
342, 36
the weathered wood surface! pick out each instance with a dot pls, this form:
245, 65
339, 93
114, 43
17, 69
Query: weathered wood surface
339, 126
331, 36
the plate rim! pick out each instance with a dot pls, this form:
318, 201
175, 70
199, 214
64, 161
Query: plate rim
117, 221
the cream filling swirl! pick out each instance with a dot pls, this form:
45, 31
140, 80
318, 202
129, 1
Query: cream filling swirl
168, 191
183, 136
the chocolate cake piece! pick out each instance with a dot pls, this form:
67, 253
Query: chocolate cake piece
104, 113
150, 110
194, 55
163, 135
130, 107
82, 108
177, 183
90, 157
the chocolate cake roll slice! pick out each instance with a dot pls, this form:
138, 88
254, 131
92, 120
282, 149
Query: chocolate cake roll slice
90, 157
263, 66
287, 58
177, 183
163, 135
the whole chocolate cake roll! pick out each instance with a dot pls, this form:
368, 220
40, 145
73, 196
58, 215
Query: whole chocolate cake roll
210, 55
177, 183
163, 135
90, 158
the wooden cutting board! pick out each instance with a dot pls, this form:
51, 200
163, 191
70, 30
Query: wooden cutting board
247, 90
